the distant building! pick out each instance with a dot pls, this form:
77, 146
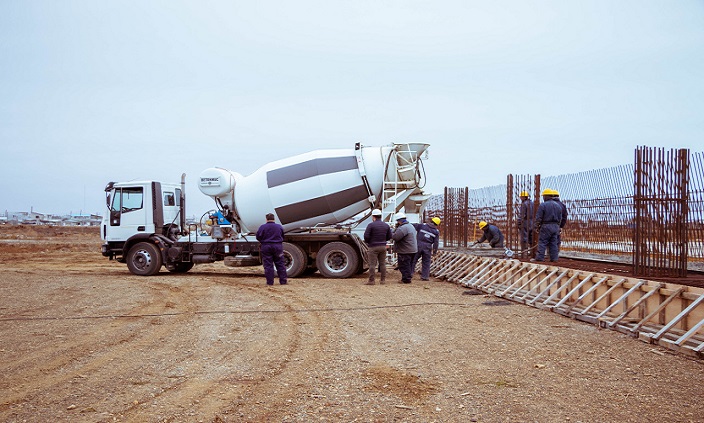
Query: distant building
35, 218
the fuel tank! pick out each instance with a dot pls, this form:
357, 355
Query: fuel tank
322, 187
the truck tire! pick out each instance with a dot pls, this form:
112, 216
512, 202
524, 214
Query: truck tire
337, 260
144, 259
295, 259
181, 267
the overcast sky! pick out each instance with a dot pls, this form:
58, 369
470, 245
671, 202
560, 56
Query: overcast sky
98, 91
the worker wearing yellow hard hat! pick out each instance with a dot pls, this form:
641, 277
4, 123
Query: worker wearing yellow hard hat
550, 192
549, 220
492, 234
428, 237
526, 218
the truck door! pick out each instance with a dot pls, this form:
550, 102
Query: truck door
127, 213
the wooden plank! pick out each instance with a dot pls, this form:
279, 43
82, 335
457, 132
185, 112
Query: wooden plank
574, 290
487, 275
604, 295
498, 272
453, 261
536, 288
549, 275
562, 288
476, 270
636, 304
460, 267
679, 317
547, 289
690, 333
511, 269
518, 281
488, 265
662, 306
589, 291
622, 298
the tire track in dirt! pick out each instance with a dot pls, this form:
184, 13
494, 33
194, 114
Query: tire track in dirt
88, 356
65, 352
313, 353
230, 395
186, 390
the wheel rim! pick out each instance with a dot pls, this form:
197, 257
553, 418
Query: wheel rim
288, 260
336, 261
142, 260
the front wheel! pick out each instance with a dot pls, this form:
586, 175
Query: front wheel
337, 260
144, 259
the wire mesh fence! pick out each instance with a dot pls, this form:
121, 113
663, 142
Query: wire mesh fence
626, 213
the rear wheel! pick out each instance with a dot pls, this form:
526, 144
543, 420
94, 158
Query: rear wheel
144, 259
337, 260
295, 259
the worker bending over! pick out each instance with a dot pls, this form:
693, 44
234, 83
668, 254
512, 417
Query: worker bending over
492, 234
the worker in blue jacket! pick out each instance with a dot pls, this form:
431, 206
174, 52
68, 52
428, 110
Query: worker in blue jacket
492, 234
428, 237
563, 221
547, 221
271, 237
525, 222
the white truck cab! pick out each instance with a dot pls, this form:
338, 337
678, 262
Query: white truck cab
140, 207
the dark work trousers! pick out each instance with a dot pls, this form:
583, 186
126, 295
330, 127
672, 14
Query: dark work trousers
549, 238
273, 255
425, 254
526, 235
377, 257
404, 266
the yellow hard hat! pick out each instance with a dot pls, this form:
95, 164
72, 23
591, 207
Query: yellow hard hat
548, 191
436, 220
555, 193
482, 224
523, 194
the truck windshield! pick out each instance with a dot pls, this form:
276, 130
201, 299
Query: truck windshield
127, 200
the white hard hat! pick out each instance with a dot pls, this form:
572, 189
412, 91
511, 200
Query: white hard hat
400, 216
376, 212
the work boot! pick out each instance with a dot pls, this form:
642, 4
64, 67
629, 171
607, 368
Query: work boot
382, 282
370, 283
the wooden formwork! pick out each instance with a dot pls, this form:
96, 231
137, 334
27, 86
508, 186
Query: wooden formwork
665, 314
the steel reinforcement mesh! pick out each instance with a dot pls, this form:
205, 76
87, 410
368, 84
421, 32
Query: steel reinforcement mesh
602, 215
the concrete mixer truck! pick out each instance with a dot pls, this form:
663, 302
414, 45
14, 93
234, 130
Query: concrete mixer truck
323, 199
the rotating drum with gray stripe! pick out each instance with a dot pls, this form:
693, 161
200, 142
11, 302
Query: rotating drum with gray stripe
321, 187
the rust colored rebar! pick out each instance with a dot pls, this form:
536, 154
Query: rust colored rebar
649, 213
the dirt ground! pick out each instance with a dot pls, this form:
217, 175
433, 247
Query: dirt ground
82, 340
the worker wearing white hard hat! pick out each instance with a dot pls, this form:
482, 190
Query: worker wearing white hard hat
405, 245
376, 235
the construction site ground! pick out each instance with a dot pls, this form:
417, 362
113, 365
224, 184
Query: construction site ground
83, 340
